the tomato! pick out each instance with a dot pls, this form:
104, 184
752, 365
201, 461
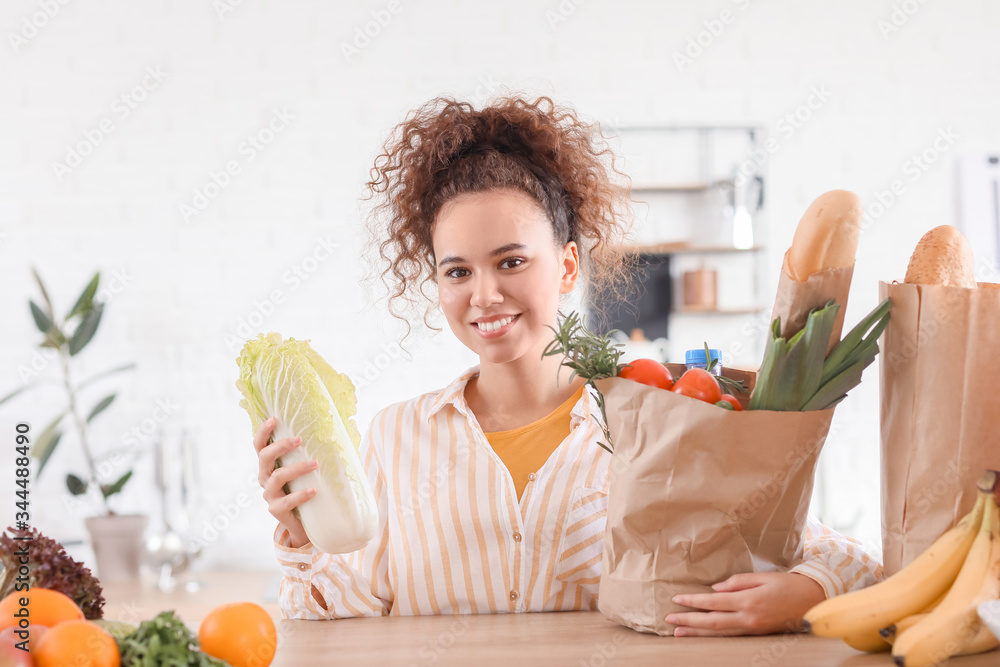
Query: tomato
10, 655
698, 383
733, 401
241, 633
649, 372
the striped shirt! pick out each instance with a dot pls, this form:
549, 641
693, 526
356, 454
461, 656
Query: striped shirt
453, 537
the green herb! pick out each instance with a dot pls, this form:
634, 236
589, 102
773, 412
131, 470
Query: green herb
729, 385
164, 642
589, 356
795, 375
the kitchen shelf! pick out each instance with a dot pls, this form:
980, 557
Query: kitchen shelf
717, 311
684, 248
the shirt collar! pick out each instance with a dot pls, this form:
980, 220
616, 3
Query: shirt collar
454, 395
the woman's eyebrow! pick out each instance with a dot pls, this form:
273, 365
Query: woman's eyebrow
453, 259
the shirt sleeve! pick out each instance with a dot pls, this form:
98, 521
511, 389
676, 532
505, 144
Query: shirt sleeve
836, 562
351, 585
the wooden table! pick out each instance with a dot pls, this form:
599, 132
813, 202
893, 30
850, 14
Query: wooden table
577, 639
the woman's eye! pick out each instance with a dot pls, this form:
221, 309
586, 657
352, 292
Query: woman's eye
512, 262
456, 273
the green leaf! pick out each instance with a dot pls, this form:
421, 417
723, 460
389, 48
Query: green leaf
85, 303
94, 378
54, 339
86, 329
110, 490
46, 443
45, 293
792, 370
76, 486
16, 392
100, 407
42, 321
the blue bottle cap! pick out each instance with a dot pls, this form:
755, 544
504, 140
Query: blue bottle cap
698, 356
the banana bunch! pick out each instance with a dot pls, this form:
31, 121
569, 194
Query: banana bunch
926, 612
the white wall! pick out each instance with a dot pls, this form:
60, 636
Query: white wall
188, 284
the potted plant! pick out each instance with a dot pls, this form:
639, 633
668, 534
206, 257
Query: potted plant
116, 538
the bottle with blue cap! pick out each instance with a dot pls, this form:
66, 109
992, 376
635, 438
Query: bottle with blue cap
698, 359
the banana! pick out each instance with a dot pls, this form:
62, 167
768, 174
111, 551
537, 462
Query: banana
868, 642
954, 627
905, 593
890, 633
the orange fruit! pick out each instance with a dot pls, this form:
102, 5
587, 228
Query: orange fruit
77, 643
241, 633
45, 607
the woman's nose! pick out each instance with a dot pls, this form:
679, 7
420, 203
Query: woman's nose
485, 291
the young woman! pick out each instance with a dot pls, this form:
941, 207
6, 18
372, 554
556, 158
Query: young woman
492, 492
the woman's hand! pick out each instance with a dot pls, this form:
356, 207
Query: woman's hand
748, 604
279, 503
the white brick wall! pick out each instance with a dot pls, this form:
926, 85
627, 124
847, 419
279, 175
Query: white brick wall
190, 284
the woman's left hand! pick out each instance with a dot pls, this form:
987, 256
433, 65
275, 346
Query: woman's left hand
758, 603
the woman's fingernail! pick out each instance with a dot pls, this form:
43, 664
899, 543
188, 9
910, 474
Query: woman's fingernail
314, 464
677, 599
312, 492
670, 618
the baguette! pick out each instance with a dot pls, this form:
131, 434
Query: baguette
990, 285
826, 237
942, 257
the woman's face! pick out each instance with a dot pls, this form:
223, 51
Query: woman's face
500, 273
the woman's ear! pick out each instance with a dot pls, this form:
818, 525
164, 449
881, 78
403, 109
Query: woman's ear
571, 267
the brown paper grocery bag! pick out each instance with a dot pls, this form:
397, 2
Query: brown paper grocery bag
697, 494
939, 374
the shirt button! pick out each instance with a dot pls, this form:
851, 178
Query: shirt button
303, 566
517, 537
513, 595
531, 476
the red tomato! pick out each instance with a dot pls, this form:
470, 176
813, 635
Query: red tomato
735, 402
698, 383
648, 371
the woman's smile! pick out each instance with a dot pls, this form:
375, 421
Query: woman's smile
494, 327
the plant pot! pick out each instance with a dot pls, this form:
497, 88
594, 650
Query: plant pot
118, 545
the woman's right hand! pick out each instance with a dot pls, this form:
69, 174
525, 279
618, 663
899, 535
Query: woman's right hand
272, 480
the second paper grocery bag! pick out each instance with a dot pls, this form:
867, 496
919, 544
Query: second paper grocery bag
940, 410
697, 494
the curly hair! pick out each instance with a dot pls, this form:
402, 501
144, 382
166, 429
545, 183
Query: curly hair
447, 148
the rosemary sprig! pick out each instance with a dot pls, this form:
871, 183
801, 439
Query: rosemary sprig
589, 356
729, 385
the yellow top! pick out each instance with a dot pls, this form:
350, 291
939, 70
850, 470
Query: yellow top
524, 450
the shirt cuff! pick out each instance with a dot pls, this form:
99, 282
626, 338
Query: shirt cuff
296, 563
821, 575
